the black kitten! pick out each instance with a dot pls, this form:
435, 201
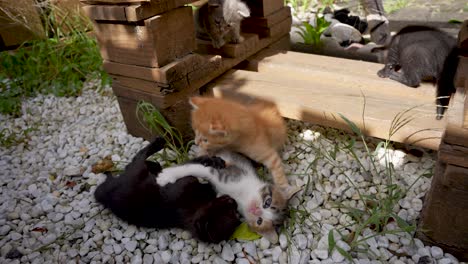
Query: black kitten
135, 197
419, 53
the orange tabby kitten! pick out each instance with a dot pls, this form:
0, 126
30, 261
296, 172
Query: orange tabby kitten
256, 130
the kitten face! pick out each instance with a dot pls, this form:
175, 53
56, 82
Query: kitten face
212, 131
263, 217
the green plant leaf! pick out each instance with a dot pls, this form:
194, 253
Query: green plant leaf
243, 232
331, 241
455, 21
352, 125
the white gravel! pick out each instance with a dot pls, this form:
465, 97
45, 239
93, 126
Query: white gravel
40, 205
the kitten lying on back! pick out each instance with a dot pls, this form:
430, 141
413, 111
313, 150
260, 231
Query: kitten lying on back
262, 204
220, 20
256, 130
416, 53
135, 197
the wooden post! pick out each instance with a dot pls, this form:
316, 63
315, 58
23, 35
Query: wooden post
444, 218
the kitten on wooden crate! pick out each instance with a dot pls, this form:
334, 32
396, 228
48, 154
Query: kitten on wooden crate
263, 204
136, 198
220, 21
419, 53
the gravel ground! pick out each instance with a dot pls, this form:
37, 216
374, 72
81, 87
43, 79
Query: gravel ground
48, 213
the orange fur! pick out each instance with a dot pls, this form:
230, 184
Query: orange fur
256, 130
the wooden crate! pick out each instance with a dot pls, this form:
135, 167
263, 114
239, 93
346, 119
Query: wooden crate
155, 42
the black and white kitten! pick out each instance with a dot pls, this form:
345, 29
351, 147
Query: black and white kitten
220, 21
136, 198
419, 53
261, 203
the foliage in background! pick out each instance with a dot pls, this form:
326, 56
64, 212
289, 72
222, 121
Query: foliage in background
311, 34
391, 6
58, 64
177, 150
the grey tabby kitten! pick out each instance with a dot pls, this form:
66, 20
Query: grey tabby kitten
220, 20
261, 203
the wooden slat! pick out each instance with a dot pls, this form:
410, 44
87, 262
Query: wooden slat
264, 32
269, 20
113, 2
463, 37
173, 71
100, 12
317, 89
131, 12
229, 50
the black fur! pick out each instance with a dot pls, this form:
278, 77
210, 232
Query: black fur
343, 16
419, 53
135, 197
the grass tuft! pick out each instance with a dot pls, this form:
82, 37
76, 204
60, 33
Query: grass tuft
176, 151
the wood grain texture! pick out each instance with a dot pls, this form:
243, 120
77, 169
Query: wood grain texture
269, 20
229, 50
264, 32
167, 74
318, 89
146, 44
131, 12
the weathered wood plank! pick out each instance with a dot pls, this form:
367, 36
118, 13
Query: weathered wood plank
229, 50
100, 12
317, 89
148, 45
132, 12
269, 20
113, 2
463, 38
173, 71
264, 32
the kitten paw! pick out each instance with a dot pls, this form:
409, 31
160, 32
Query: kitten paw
238, 40
165, 178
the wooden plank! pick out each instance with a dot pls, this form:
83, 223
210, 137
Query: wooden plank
229, 50
463, 38
314, 89
132, 12
462, 71
148, 45
269, 20
454, 154
100, 12
173, 71
264, 32
456, 111
263, 8
140, 12
113, 2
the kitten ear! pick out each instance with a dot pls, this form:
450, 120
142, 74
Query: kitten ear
218, 129
271, 235
195, 102
243, 10
290, 191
